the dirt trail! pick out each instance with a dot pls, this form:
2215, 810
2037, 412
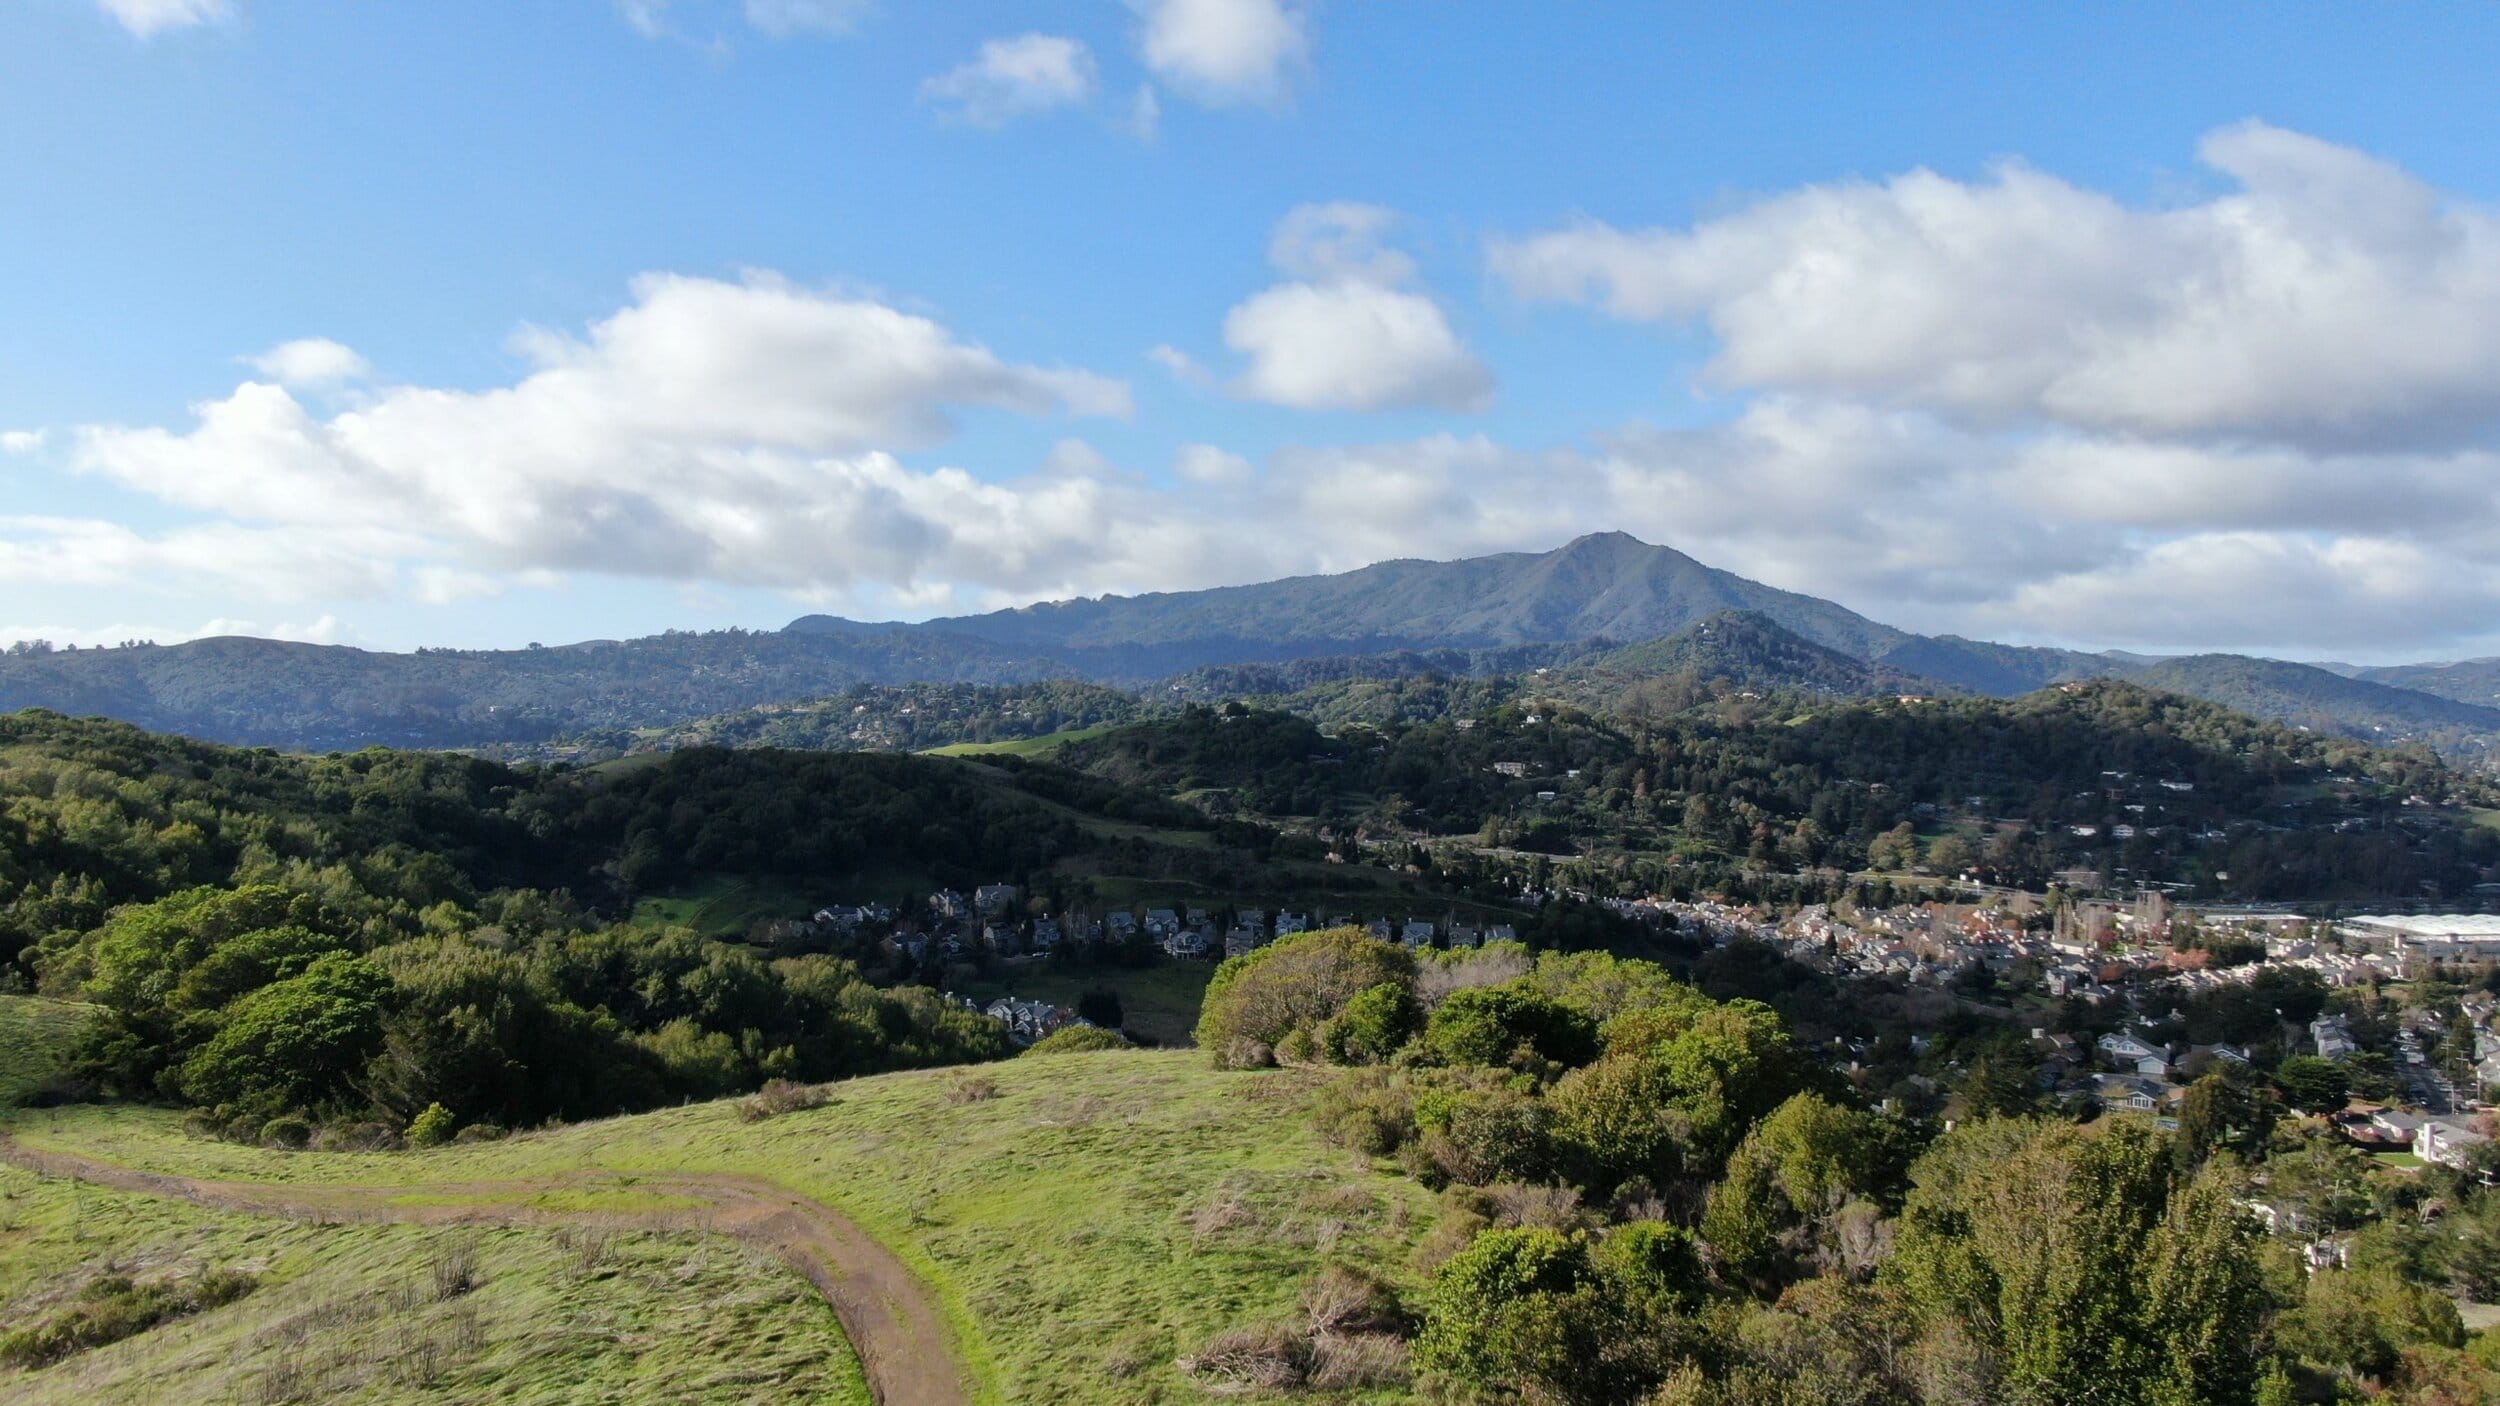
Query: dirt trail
892, 1320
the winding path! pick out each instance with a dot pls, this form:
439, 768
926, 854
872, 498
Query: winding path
893, 1321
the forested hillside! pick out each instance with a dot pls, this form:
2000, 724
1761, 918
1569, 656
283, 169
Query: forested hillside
374, 933
2101, 775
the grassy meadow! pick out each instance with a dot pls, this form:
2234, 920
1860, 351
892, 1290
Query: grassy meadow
391, 1313
1084, 1219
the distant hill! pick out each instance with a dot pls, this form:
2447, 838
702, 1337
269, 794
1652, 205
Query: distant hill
307, 697
1657, 612
1749, 648
1605, 586
2474, 681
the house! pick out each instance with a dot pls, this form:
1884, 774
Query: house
2334, 1040
1045, 934
993, 900
2127, 1051
2396, 1126
1501, 932
1161, 923
1120, 926
1187, 944
2129, 1093
1289, 923
1252, 919
1512, 769
1241, 942
1002, 937
946, 903
1381, 928
2446, 1143
1416, 933
1463, 936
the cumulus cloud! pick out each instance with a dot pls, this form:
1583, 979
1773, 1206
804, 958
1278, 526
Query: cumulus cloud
1346, 335
147, 18
2329, 298
311, 362
732, 432
1018, 77
1224, 52
23, 441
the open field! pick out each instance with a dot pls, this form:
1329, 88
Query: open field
722, 906
1082, 1220
1023, 746
1160, 1002
35, 1034
390, 1313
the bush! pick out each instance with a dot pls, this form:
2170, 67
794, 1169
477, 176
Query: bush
1078, 1039
287, 1131
112, 1308
433, 1127
480, 1132
1480, 1136
1374, 1025
779, 1096
1298, 983
1370, 1111
1614, 1122
1509, 1025
1521, 1312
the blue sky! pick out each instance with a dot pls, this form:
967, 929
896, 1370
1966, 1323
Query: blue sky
2158, 327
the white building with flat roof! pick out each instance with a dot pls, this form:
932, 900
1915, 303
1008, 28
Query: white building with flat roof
2431, 938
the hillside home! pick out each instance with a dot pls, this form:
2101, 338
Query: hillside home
2446, 1143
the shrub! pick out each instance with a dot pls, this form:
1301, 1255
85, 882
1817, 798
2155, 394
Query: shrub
480, 1132
1373, 1026
287, 1131
1520, 1311
112, 1308
433, 1127
779, 1096
1370, 1111
1509, 1025
1298, 983
972, 1088
1614, 1122
1078, 1039
1480, 1136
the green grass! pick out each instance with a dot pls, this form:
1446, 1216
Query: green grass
35, 1036
1042, 746
1089, 1220
350, 1313
1158, 1002
722, 906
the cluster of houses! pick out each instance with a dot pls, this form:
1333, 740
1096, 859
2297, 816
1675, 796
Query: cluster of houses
991, 921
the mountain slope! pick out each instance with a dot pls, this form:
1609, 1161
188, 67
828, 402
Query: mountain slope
1604, 586
1749, 648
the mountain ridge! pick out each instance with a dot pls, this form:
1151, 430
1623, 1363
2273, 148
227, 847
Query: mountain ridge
1481, 615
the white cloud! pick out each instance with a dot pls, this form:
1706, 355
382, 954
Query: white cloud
311, 362
1224, 52
730, 432
147, 18
1215, 468
1145, 114
1181, 364
2331, 299
648, 18
783, 18
24, 441
1346, 336
1018, 77
326, 629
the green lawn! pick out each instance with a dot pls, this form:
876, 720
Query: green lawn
350, 1313
35, 1034
1041, 746
1158, 1002
722, 906
1084, 1219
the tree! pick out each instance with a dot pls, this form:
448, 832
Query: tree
1508, 1025
295, 1043
1296, 983
2311, 1084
